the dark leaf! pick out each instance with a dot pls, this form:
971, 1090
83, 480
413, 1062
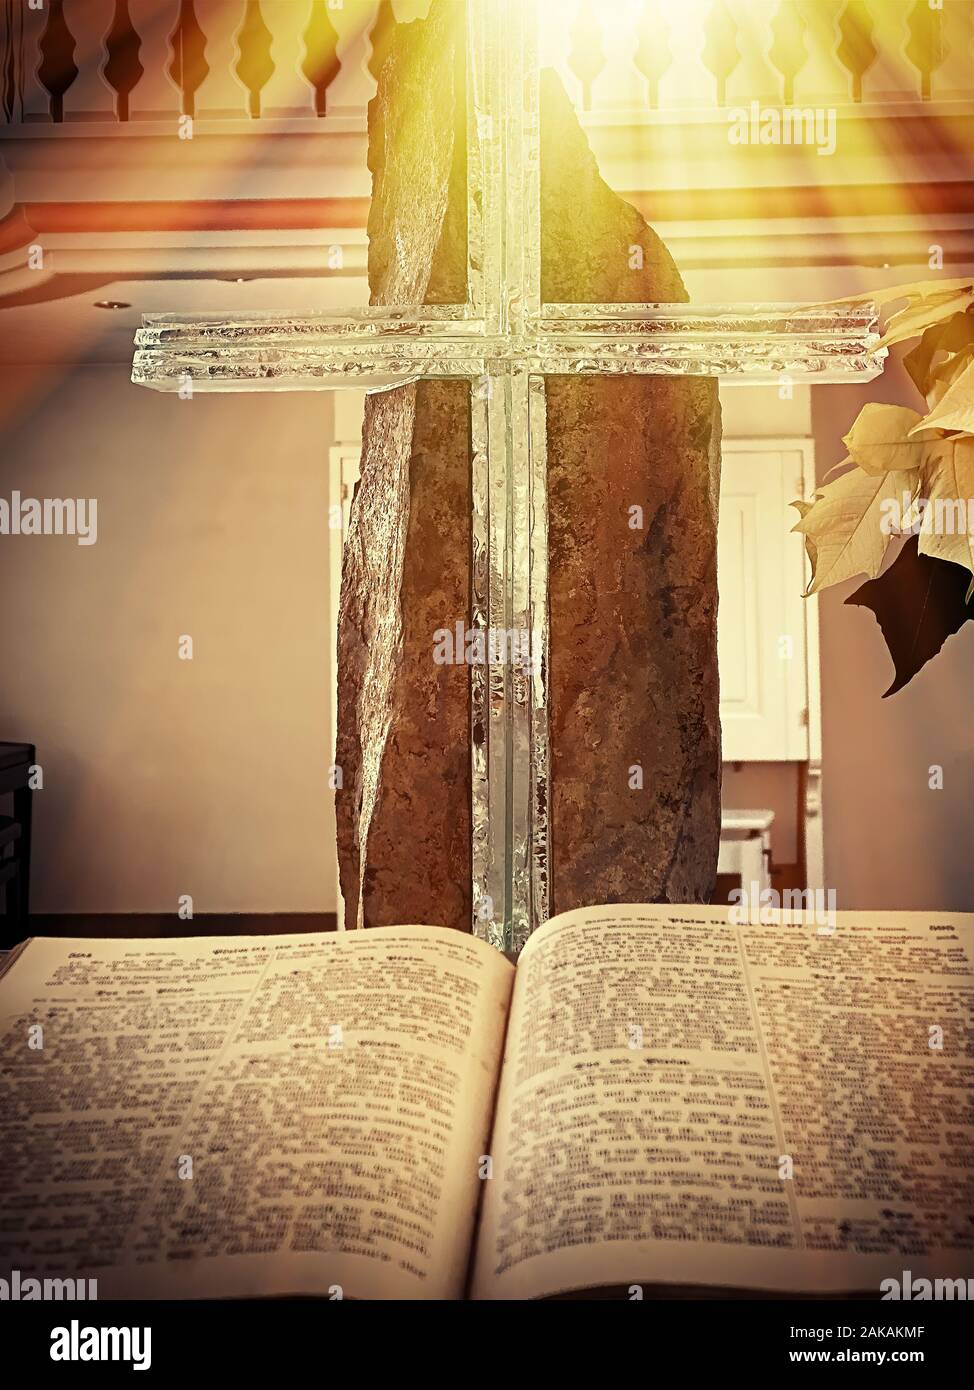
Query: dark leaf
918, 602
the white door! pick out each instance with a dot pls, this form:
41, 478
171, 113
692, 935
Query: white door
762, 627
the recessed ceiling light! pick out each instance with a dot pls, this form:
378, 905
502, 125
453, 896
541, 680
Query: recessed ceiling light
111, 304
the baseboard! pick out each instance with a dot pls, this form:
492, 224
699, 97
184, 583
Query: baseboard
119, 925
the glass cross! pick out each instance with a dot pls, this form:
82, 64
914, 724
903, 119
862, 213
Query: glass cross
505, 341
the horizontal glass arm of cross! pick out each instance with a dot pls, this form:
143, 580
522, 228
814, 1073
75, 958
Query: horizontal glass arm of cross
367, 323
736, 357
859, 319
747, 343
288, 366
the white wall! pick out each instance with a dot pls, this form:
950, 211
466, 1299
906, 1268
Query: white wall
164, 777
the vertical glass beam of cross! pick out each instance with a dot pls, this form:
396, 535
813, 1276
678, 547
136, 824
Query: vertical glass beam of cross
509, 747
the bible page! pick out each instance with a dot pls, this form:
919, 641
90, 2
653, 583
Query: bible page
236, 1116
685, 1102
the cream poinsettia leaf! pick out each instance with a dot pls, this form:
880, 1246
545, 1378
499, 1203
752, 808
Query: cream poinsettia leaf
920, 315
803, 508
881, 439
947, 486
943, 376
851, 522
955, 409
955, 336
929, 304
918, 289
843, 463
918, 360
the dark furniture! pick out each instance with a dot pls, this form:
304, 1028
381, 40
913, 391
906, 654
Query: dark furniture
16, 760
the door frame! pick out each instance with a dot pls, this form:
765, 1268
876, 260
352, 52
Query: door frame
805, 613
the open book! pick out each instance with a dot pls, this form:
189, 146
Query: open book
654, 1097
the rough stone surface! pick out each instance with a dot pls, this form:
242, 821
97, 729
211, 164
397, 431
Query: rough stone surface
403, 722
633, 612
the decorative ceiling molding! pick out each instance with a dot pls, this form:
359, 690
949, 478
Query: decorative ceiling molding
199, 215
933, 200
826, 201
